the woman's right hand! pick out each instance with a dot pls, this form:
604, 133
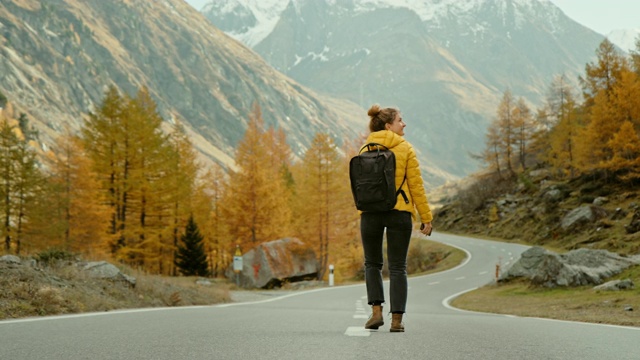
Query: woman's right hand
426, 228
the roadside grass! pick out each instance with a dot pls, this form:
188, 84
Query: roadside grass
63, 288
573, 304
57, 287
439, 257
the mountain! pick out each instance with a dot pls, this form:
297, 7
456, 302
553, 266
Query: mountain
58, 56
444, 63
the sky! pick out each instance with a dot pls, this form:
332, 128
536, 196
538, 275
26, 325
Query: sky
603, 16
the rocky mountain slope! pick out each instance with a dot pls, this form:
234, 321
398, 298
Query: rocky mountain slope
58, 56
535, 209
445, 63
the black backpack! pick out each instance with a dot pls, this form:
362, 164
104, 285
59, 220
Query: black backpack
373, 179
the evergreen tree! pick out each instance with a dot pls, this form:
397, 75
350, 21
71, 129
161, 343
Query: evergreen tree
191, 258
181, 184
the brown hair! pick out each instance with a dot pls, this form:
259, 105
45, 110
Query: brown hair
381, 117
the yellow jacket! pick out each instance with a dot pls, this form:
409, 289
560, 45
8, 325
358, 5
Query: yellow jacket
406, 163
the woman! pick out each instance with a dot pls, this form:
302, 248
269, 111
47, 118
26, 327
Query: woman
387, 128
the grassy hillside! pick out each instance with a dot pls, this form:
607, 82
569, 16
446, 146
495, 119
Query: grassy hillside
531, 210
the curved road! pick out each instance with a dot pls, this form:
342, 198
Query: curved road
326, 324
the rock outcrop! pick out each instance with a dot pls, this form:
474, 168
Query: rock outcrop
272, 263
575, 268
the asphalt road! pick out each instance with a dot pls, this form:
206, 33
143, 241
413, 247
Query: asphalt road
326, 323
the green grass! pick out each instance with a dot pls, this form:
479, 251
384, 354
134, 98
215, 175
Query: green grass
574, 304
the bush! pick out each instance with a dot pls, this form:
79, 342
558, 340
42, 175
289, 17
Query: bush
481, 191
51, 256
3, 100
422, 258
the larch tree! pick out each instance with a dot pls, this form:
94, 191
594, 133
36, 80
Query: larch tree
506, 129
562, 110
603, 74
635, 56
492, 152
21, 184
318, 183
609, 111
8, 174
523, 130
82, 211
104, 135
130, 154
625, 146
256, 193
148, 181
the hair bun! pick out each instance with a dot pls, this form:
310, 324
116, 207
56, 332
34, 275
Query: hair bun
374, 110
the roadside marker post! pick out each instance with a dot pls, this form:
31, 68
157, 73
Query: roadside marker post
330, 275
237, 264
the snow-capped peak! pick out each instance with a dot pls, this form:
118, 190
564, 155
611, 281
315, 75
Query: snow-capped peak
268, 12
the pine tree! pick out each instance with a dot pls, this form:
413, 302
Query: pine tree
180, 186
191, 258
207, 205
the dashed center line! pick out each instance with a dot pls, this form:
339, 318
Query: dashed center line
357, 331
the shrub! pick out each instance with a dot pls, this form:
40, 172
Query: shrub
51, 256
485, 188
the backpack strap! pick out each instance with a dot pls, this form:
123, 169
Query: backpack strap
401, 192
370, 145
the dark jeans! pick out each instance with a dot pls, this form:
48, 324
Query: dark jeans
398, 225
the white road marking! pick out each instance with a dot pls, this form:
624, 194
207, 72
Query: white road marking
483, 272
434, 283
357, 331
460, 278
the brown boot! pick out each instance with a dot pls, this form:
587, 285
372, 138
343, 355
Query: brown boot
396, 323
376, 320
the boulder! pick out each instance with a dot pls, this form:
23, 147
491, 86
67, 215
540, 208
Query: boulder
575, 268
272, 263
582, 215
10, 259
615, 285
105, 270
